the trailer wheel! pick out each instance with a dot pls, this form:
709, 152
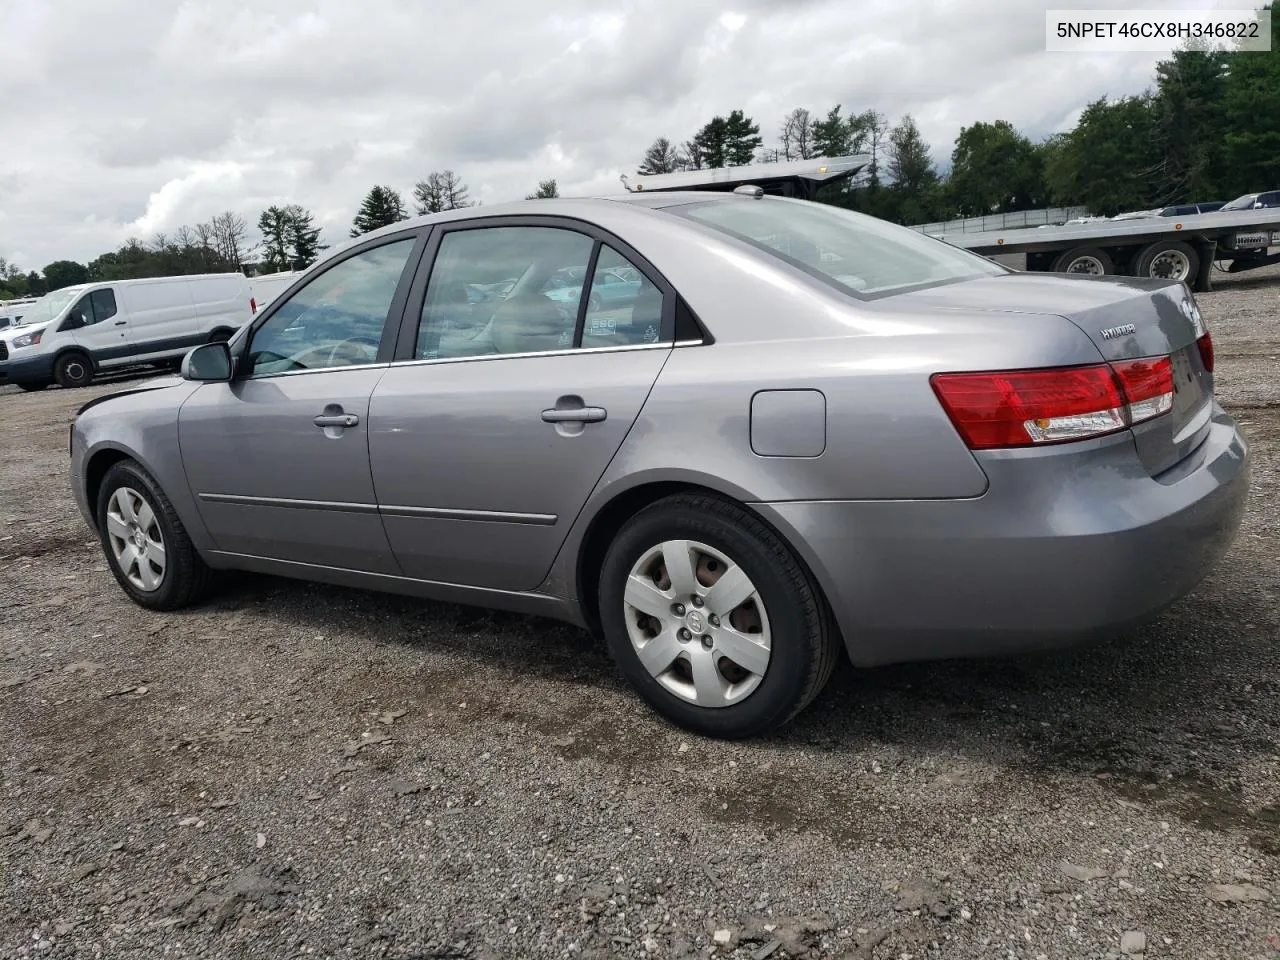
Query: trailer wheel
1090, 260
1168, 260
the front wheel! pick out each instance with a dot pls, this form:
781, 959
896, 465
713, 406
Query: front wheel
73, 369
146, 545
32, 386
712, 619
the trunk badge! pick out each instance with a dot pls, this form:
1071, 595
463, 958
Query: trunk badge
1124, 330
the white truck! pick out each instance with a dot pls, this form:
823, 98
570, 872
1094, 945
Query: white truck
1170, 248
72, 334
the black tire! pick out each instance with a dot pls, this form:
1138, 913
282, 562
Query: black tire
1078, 259
803, 649
73, 369
33, 386
1179, 253
186, 578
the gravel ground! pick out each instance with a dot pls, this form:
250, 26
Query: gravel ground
296, 770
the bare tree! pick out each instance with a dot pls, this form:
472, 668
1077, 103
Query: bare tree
797, 135
228, 234
160, 242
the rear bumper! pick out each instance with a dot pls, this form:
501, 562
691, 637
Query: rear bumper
20, 369
1055, 552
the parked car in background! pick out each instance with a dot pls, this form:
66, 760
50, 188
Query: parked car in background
12, 311
807, 429
1191, 209
76, 332
267, 286
1254, 201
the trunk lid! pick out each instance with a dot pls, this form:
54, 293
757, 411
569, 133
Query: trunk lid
1126, 319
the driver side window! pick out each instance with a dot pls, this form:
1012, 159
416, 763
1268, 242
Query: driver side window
337, 319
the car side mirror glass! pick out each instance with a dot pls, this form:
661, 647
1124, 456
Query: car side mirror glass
208, 363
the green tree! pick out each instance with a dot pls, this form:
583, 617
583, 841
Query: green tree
273, 224
995, 169
547, 190
36, 287
915, 181
1190, 90
65, 273
661, 157
742, 139
302, 236
1251, 108
710, 144
1112, 161
382, 206
831, 135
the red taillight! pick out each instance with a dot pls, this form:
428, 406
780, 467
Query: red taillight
253, 304
1205, 343
1023, 408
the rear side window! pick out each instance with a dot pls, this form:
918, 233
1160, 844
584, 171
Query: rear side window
624, 308
858, 254
104, 304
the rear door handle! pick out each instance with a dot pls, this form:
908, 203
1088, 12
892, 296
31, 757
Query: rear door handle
574, 415
337, 420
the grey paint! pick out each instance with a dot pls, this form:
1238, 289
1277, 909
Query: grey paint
453, 487
788, 423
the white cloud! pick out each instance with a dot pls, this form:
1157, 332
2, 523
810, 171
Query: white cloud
127, 120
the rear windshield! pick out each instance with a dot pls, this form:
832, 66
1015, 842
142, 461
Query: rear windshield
859, 254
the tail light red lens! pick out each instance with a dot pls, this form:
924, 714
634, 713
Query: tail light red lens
1205, 343
1023, 408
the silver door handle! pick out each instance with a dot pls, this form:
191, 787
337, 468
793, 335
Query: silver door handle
339, 420
575, 415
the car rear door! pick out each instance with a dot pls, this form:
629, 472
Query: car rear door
278, 459
499, 418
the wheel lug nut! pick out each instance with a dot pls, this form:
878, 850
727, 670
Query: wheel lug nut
684, 635
707, 641
715, 621
678, 609
697, 600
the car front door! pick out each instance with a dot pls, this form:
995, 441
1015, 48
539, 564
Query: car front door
489, 434
96, 324
278, 459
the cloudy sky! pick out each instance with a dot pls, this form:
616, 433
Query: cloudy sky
123, 119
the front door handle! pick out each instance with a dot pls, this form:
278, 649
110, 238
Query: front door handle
337, 420
574, 415
120, 323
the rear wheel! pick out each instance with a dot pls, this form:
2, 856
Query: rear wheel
146, 545
1168, 260
711, 618
1093, 261
73, 369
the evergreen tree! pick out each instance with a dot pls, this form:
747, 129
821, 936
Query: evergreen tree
710, 144
831, 135
1251, 115
302, 237
547, 190
742, 139
661, 157
382, 207
1190, 90
273, 224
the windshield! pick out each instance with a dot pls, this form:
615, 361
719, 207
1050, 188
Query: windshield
48, 306
1242, 203
860, 254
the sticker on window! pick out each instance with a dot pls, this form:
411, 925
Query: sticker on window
651, 333
601, 327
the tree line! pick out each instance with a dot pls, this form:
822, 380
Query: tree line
1207, 129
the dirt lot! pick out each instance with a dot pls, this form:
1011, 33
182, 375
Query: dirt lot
296, 770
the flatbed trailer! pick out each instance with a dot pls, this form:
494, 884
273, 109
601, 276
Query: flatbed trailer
1177, 248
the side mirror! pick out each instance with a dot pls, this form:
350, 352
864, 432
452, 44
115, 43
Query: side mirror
208, 363
73, 321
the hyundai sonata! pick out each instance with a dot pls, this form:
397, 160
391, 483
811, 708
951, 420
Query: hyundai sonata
802, 431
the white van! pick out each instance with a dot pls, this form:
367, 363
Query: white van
266, 287
75, 332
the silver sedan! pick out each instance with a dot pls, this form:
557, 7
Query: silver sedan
796, 431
